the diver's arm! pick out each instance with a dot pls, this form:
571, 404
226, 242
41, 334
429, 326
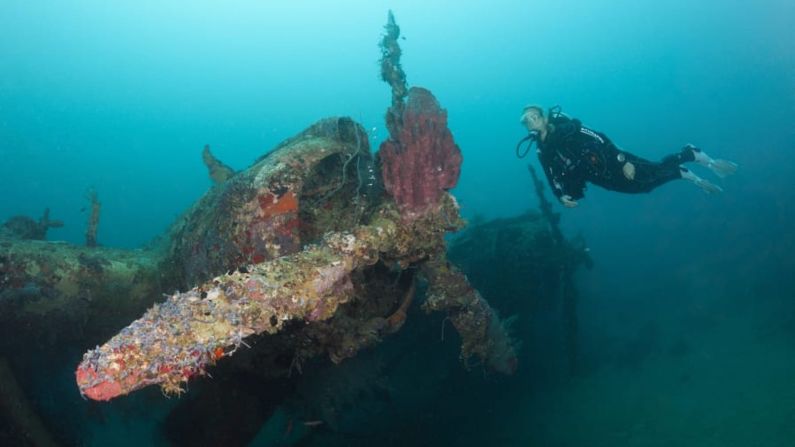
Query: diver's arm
574, 186
562, 180
551, 174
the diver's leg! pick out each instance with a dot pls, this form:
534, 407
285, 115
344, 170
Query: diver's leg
614, 169
650, 175
686, 155
638, 175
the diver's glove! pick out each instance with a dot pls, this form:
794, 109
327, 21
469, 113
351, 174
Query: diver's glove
567, 201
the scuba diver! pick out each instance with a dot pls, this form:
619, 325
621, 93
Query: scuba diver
572, 154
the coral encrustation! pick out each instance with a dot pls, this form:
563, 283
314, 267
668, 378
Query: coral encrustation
423, 161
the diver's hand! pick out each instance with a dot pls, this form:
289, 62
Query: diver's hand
567, 201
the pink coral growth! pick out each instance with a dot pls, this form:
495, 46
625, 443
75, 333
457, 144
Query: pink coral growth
423, 160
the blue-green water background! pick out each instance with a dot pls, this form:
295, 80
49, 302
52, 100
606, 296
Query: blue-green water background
122, 96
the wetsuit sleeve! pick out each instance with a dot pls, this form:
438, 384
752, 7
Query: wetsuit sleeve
560, 160
561, 181
546, 165
574, 187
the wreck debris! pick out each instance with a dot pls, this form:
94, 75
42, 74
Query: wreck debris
568, 292
273, 207
395, 321
23, 227
291, 264
392, 73
219, 172
483, 334
420, 162
93, 218
57, 290
552, 217
180, 338
519, 264
235, 224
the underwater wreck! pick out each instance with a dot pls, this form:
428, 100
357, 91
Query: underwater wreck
316, 249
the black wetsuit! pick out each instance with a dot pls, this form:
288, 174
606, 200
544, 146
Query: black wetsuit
573, 154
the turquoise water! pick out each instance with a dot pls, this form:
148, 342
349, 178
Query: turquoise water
687, 318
